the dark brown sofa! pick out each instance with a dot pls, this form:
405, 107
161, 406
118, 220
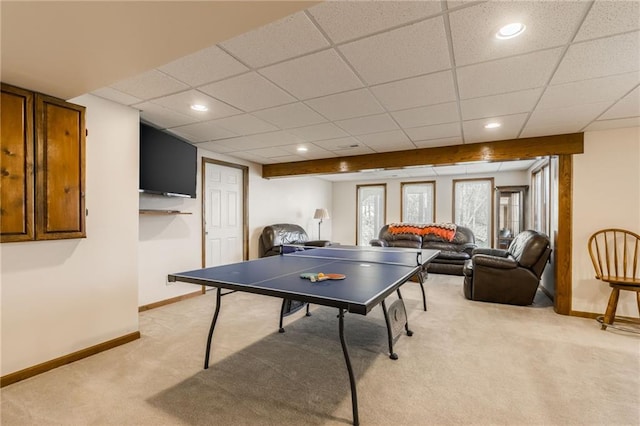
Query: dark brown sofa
508, 276
452, 255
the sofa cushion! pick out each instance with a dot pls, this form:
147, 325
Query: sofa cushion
457, 256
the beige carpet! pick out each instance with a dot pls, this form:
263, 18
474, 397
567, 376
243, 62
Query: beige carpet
467, 363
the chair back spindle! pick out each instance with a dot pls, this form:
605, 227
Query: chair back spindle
614, 254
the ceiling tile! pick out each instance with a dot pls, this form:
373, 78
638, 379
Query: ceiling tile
355, 103
245, 124
313, 151
273, 139
511, 125
202, 132
395, 140
426, 116
593, 59
249, 92
318, 132
149, 85
162, 117
405, 52
214, 146
347, 20
474, 168
588, 91
613, 124
181, 103
370, 124
439, 131
116, 96
562, 120
270, 152
339, 144
204, 66
432, 143
418, 91
250, 156
507, 75
325, 69
450, 170
344, 146
286, 38
608, 18
629, 106
291, 115
493, 106
516, 165
549, 24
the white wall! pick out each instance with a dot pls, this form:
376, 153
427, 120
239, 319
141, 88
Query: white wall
344, 198
62, 296
169, 244
288, 200
606, 194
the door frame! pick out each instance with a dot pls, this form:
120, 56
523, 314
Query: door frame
245, 204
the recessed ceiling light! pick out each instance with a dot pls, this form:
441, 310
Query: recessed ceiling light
492, 125
510, 31
199, 107
302, 149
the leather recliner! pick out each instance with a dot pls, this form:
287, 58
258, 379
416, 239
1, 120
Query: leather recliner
274, 236
507, 276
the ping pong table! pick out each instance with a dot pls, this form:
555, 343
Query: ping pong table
370, 275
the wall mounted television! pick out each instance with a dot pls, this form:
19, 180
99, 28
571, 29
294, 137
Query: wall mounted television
168, 165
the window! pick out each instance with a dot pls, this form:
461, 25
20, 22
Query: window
418, 202
371, 214
540, 196
473, 207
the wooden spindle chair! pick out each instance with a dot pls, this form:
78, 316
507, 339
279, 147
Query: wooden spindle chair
615, 255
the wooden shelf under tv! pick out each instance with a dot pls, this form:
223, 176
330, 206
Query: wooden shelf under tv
161, 212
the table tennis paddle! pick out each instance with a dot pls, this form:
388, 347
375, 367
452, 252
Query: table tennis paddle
313, 277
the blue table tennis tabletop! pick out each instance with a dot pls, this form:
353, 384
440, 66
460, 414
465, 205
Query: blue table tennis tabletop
372, 273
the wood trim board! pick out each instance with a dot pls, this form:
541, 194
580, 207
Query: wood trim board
67, 359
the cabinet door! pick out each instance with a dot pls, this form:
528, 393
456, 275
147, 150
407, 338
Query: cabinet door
60, 169
16, 165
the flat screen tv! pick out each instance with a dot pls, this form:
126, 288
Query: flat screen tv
168, 165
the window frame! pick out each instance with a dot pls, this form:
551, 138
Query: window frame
384, 203
544, 170
432, 183
491, 195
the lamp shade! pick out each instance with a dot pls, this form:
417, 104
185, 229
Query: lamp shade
321, 214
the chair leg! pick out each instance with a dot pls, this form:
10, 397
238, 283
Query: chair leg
611, 308
638, 300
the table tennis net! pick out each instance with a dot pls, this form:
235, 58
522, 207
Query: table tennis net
379, 255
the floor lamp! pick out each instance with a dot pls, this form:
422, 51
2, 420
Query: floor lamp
321, 214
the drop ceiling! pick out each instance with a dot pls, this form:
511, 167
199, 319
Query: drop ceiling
350, 78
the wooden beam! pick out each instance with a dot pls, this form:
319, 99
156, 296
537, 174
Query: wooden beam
512, 149
564, 247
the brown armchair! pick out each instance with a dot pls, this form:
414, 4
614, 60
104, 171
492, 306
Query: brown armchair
507, 276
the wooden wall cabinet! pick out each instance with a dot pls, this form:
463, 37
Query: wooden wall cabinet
42, 167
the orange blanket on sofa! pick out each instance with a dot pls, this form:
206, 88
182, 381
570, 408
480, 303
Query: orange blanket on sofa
446, 231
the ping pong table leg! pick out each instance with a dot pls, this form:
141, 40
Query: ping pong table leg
424, 296
392, 354
213, 325
406, 322
352, 382
280, 327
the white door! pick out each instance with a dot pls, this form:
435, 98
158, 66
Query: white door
223, 215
